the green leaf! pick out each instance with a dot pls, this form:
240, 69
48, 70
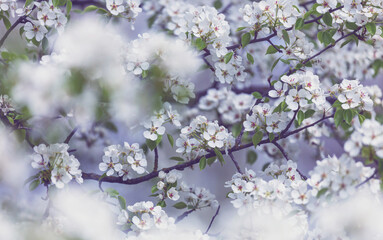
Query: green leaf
257, 138
351, 26
90, 8
327, 19
285, 36
154, 188
346, 42
151, 144
45, 44
34, 184
171, 140
361, 118
320, 36
337, 104
200, 44
309, 113
240, 29
275, 64
20, 134
321, 192
265, 166
300, 117
347, 115
122, 202
371, 28
151, 20
55, 3
28, 2
338, 117
257, 95
162, 204
217, 4
68, 6
211, 160
251, 157
236, 129
327, 38
299, 23
10, 120
228, 57
271, 50
7, 23
219, 156
112, 192
179, 159
202, 163
245, 39
271, 137
308, 13
180, 205
250, 58
31, 178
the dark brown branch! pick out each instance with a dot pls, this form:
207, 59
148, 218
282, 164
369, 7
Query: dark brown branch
235, 162
212, 220
185, 214
71, 135
155, 159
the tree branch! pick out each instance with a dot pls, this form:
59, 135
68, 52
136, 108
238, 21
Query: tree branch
212, 220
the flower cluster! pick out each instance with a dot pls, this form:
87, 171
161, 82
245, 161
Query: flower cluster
129, 9
249, 192
202, 135
48, 16
167, 57
123, 160
197, 197
231, 106
356, 11
337, 177
232, 71
6, 104
56, 165
266, 15
8, 5
298, 46
154, 125
168, 185
352, 95
143, 216
368, 135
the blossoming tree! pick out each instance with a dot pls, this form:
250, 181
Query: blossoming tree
102, 97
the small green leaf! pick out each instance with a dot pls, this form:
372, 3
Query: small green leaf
351, 26
7, 23
361, 118
271, 137
179, 159
320, 36
285, 36
251, 157
240, 29
171, 140
217, 4
112, 192
200, 44
309, 113
257, 95
299, 23
250, 58
10, 120
245, 39
28, 2
34, 184
219, 156
371, 28
275, 64
122, 202
154, 188
202, 163
338, 117
347, 115
327, 19
321, 192
265, 166
346, 42
90, 8
211, 160
68, 7
180, 205
236, 129
257, 138
228, 57
300, 117
327, 38
162, 204
271, 50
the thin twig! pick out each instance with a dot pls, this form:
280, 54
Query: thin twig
155, 159
71, 135
368, 179
235, 162
185, 214
212, 220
